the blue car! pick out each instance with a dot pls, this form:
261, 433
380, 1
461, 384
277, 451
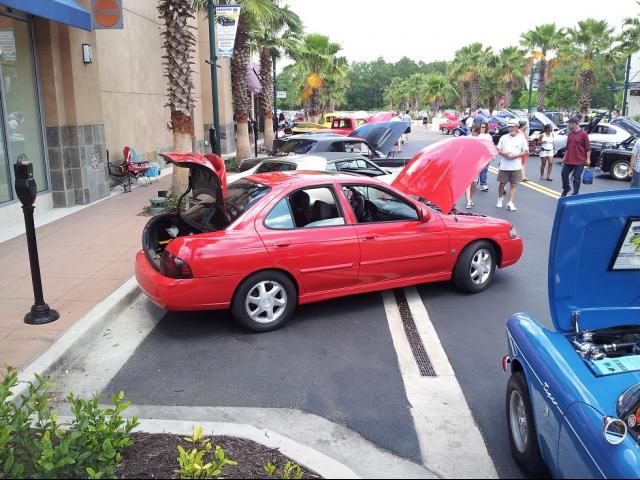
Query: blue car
573, 397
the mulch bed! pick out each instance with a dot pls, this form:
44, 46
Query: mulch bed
155, 456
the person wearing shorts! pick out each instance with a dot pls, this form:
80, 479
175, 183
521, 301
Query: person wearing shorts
511, 148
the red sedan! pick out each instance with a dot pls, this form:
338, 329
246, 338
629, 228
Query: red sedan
280, 239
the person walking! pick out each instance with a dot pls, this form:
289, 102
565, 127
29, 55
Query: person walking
576, 157
523, 129
471, 189
510, 147
484, 133
546, 152
634, 169
406, 118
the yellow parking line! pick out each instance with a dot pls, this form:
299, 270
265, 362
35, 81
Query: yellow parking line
534, 186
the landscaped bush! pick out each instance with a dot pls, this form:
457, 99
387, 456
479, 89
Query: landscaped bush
35, 444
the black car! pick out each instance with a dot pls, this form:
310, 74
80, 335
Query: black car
376, 144
616, 159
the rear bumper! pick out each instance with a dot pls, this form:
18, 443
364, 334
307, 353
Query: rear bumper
511, 251
210, 293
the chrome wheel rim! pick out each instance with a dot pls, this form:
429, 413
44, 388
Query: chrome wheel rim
621, 170
445, 131
481, 264
518, 420
266, 302
456, 133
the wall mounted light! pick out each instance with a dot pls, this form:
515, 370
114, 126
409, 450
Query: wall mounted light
87, 53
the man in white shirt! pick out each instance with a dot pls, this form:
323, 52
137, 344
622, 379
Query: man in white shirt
406, 118
510, 147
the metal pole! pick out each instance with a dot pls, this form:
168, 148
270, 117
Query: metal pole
275, 97
613, 99
626, 86
530, 88
214, 75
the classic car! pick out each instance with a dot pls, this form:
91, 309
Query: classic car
328, 118
616, 159
449, 126
628, 124
307, 127
573, 396
262, 248
374, 141
351, 161
344, 125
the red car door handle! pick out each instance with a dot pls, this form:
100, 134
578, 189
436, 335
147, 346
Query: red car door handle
370, 236
281, 244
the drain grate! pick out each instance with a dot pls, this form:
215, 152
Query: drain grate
410, 330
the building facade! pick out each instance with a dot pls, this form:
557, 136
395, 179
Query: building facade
70, 114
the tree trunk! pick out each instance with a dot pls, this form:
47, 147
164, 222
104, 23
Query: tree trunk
241, 103
508, 94
586, 81
314, 106
475, 92
243, 144
182, 126
542, 84
266, 95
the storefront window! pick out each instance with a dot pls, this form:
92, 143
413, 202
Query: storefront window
22, 132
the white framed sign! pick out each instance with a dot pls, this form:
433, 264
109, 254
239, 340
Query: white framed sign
281, 94
627, 256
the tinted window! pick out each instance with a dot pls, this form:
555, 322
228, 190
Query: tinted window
299, 146
275, 167
372, 204
337, 147
280, 217
315, 207
242, 195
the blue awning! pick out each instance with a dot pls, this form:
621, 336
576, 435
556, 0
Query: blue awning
63, 11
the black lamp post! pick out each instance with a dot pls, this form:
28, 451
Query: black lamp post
26, 190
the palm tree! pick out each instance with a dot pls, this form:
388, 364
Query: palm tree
590, 45
510, 66
541, 41
179, 43
335, 85
315, 59
630, 36
470, 64
280, 33
437, 90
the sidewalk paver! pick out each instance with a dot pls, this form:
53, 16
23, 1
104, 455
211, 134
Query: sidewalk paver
84, 257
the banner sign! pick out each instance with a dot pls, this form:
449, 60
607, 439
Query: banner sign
106, 14
281, 94
227, 17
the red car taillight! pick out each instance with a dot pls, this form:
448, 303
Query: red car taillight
174, 267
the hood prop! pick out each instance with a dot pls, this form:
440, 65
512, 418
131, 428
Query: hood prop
575, 321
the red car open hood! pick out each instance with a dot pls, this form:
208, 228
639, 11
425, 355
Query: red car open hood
441, 172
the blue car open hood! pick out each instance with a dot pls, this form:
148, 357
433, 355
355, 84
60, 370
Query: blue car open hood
591, 259
382, 136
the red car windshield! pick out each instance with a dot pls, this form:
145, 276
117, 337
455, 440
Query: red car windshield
241, 196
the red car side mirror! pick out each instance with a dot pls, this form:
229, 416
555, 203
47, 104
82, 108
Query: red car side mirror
425, 214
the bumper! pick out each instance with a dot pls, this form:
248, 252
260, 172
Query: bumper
511, 251
210, 293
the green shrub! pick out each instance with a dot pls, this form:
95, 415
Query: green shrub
192, 462
290, 470
172, 203
34, 444
636, 118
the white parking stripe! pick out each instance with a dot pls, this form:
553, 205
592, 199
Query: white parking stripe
450, 441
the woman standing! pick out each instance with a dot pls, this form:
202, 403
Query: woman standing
524, 131
546, 152
484, 133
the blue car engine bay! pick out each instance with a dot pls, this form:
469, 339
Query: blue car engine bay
609, 351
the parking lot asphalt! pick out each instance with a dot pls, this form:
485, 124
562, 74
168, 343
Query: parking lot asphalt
336, 360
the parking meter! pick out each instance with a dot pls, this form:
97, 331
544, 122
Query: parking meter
27, 190
25, 185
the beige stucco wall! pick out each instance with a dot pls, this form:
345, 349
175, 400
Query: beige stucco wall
132, 82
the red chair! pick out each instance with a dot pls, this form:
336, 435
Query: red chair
129, 171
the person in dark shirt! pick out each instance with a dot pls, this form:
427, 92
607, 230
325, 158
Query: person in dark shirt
576, 157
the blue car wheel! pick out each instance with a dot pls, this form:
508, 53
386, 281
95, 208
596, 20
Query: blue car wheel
522, 433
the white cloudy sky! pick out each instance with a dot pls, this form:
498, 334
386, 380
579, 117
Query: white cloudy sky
434, 29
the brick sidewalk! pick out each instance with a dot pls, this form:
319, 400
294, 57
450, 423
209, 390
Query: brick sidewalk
84, 257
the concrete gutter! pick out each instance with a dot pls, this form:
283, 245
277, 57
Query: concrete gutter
74, 341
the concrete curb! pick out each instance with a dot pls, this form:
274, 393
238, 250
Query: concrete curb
304, 455
73, 342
